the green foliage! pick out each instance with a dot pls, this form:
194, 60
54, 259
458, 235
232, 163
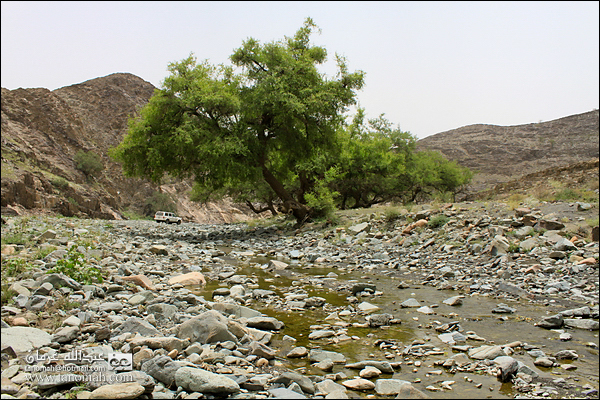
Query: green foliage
322, 199
43, 252
267, 121
14, 238
392, 214
75, 266
159, 201
7, 294
89, 163
437, 221
14, 267
513, 248
59, 182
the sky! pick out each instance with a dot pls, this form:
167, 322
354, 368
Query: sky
430, 66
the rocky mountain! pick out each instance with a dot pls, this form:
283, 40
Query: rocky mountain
42, 130
504, 153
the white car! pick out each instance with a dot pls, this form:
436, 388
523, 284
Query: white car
168, 217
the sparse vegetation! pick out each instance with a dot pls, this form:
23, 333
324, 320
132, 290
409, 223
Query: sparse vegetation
159, 201
75, 266
14, 267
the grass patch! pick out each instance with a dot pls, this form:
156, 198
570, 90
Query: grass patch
14, 267
75, 266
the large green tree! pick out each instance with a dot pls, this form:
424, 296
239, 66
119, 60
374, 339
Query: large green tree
269, 117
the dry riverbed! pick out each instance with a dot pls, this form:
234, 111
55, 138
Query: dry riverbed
466, 300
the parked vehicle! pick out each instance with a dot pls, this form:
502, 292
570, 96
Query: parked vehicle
168, 217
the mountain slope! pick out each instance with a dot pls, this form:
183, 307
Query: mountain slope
502, 153
42, 130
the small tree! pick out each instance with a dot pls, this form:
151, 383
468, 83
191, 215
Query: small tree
89, 163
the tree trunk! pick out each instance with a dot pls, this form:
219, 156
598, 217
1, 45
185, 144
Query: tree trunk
300, 211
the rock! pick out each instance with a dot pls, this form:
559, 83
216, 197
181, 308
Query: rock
162, 368
200, 380
60, 280
389, 387
261, 350
189, 279
316, 335
159, 249
24, 339
410, 303
237, 310
563, 244
543, 362
325, 365
454, 301
581, 323
368, 372
317, 355
508, 367
162, 312
140, 280
285, 393
129, 390
359, 384
377, 320
208, 327
566, 355
551, 322
138, 325
277, 265
356, 229
408, 391
111, 306
502, 308
288, 377
168, 343
383, 366
66, 334
367, 308
486, 352
362, 287
139, 377
297, 352
265, 323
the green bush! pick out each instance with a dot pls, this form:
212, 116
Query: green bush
438, 221
74, 266
89, 163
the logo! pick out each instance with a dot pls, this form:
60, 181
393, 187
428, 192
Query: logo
120, 361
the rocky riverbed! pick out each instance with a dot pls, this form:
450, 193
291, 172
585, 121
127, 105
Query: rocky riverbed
465, 300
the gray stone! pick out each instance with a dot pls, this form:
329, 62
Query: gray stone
138, 325
66, 334
37, 302
581, 323
288, 377
285, 393
383, 366
129, 390
162, 311
317, 355
111, 306
137, 376
454, 300
236, 310
262, 350
377, 320
265, 323
24, 339
486, 352
564, 244
389, 387
508, 367
200, 380
162, 368
551, 322
208, 327
320, 334
60, 280
410, 303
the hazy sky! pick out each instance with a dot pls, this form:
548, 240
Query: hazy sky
430, 66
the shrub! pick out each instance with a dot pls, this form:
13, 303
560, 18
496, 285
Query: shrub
89, 163
74, 266
438, 221
59, 182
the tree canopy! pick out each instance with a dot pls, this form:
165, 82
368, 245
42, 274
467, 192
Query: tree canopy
272, 128
226, 127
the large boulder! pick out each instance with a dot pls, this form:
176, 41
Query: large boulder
24, 339
200, 380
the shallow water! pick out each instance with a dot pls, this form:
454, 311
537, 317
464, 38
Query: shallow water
473, 315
